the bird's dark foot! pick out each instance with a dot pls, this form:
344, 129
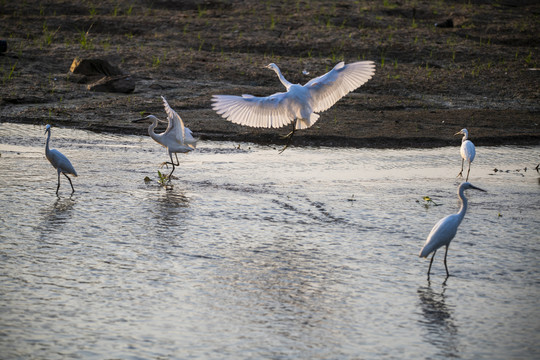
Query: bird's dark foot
165, 163
460, 175
288, 136
285, 147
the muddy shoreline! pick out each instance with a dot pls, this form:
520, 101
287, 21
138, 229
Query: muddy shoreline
429, 83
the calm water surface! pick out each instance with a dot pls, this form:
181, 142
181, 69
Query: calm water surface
311, 254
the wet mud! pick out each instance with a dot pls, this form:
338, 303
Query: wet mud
430, 81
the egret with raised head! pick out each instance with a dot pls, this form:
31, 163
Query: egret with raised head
176, 138
444, 231
59, 161
467, 151
301, 102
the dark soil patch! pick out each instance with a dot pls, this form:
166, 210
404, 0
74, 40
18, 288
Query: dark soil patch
430, 82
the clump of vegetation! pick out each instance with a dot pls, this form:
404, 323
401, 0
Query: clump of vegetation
162, 178
84, 39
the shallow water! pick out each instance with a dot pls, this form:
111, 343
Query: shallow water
310, 254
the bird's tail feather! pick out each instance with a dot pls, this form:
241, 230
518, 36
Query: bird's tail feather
304, 124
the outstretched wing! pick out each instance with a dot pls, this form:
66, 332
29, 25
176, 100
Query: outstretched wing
189, 140
272, 111
176, 125
327, 89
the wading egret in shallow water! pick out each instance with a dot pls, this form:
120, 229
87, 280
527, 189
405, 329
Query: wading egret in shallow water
444, 231
300, 102
467, 151
60, 162
176, 138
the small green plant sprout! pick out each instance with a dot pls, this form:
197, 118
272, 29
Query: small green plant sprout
8, 75
162, 179
272, 22
528, 58
201, 11
84, 39
92, 10
156, 61
48, 34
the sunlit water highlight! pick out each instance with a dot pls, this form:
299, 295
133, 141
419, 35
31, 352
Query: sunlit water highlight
310, 254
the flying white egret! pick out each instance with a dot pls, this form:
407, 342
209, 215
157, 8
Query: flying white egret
300, 102
444, 231
176, 138
59, 161
467, 151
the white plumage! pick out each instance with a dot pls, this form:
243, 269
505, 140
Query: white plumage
59, 161
176, 138
467, 151
445, 230
300, 102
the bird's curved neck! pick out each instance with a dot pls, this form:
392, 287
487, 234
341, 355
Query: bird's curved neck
47, 144
284, 81
464, 202
151, 128
465, 137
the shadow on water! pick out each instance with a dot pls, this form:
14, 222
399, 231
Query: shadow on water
169, 211
56, 215
438, 320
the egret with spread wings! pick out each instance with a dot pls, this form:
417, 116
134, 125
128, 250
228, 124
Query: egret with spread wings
301, 102
176, 138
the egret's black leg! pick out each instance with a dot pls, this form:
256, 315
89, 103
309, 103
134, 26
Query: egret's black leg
70, 183
468, 172
288, 137
445, 266
431, 262
461, 172
173, 164
58, 187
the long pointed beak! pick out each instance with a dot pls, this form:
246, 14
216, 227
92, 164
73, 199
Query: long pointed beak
477, 188
139, 120
458, 133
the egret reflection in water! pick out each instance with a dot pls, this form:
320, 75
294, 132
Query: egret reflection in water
55, 216
438, 321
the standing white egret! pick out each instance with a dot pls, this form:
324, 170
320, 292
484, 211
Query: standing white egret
59, 161
176, 138
444, 231
467, 151
300, 102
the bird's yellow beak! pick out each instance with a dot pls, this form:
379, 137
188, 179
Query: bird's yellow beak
458, 133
